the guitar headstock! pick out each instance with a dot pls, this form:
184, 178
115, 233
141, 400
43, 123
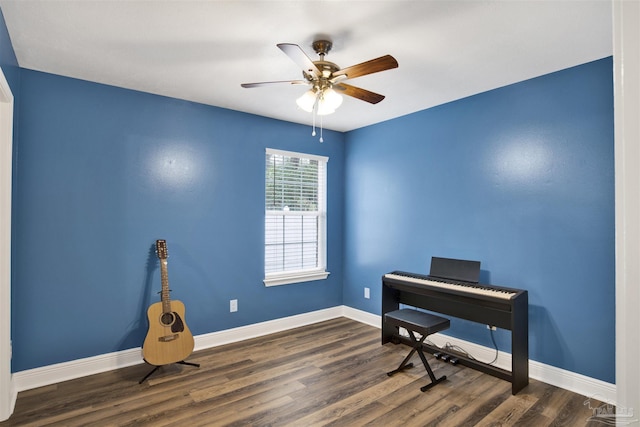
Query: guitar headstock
161, 249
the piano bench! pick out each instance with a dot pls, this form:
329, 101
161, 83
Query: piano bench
425, 324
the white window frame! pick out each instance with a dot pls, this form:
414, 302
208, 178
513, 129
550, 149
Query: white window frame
309, 274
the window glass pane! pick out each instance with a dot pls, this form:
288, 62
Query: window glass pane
291, 242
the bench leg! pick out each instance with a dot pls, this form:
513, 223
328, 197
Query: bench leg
404, 365
431, 384
417, 347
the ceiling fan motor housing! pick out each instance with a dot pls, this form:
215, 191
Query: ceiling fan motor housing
326, 68
322, 47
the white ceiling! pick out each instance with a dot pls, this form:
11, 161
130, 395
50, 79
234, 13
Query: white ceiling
203, 50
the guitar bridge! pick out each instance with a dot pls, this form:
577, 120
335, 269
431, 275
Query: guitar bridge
168, 338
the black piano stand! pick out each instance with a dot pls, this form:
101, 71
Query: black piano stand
155, 368
417, 346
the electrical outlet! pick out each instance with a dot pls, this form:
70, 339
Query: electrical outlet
233, 305
367, 293
493, 328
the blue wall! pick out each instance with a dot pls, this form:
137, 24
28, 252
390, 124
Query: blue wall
103, 172
520, 178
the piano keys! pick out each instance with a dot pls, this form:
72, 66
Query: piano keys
465, 287
505, 308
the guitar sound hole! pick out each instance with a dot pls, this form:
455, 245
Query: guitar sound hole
166, 318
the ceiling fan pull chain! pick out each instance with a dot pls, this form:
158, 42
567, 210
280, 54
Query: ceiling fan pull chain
313, 114
321, 140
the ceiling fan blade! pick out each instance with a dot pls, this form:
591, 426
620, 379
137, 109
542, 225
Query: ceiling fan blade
298, 56
356, 92
383, 63
259, 84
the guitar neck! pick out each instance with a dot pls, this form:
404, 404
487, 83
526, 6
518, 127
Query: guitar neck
164, 294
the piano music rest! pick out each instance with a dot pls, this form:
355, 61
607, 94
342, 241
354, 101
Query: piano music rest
423, 323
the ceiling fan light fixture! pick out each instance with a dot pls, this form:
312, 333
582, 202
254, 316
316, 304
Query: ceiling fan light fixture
332, 98
307, 101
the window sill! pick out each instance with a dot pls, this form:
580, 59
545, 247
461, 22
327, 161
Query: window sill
295, 277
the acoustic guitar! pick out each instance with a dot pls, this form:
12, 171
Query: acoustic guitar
168, 339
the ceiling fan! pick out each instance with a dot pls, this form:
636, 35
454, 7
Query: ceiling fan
327, 79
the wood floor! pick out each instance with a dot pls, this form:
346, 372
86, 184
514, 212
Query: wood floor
330, 373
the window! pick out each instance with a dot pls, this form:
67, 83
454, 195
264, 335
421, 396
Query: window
295, 217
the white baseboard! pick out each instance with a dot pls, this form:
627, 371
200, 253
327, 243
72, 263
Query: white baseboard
52, 374
46, 375
571, 381
361, 316
242, 333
